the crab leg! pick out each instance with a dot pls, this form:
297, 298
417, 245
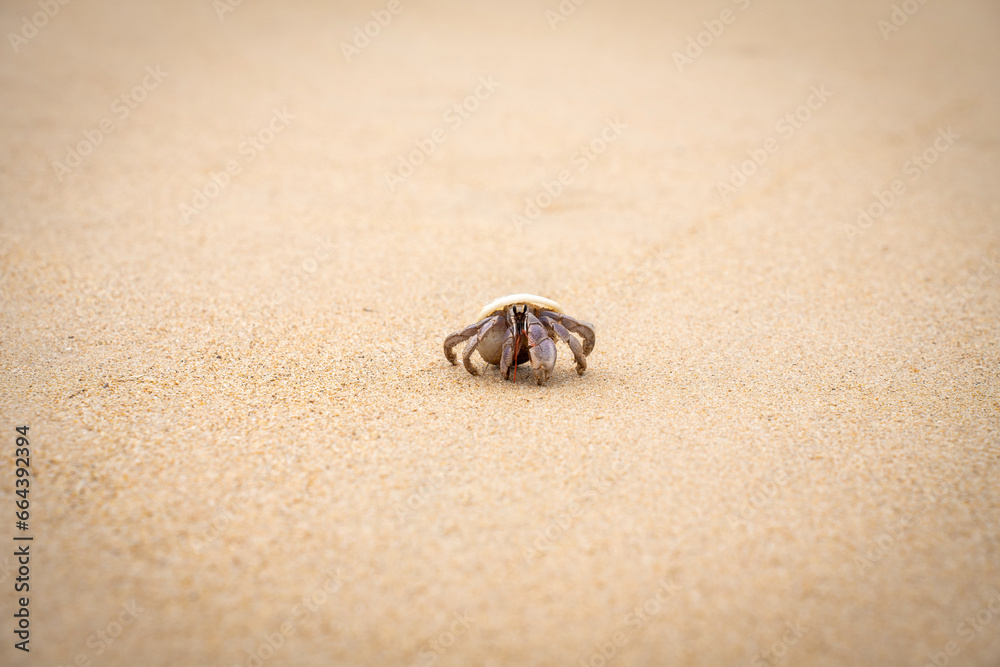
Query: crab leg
584, 329
457, 337
473, 343
507, 354
574, 344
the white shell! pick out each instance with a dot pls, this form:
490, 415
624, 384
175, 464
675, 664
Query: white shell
510, 299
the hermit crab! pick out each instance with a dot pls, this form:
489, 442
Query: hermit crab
519, 328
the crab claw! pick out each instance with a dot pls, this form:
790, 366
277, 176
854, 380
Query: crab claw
541, 349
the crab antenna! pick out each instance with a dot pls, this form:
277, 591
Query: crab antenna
517, 342
517, 353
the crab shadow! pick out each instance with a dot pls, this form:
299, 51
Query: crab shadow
526, 378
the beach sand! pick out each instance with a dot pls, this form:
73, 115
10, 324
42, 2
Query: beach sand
231, 248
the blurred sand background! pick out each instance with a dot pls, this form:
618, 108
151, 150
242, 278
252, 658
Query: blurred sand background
788, 431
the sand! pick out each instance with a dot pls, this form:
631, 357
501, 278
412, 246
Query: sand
222, 322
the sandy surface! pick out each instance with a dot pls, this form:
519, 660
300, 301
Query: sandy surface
785, 450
